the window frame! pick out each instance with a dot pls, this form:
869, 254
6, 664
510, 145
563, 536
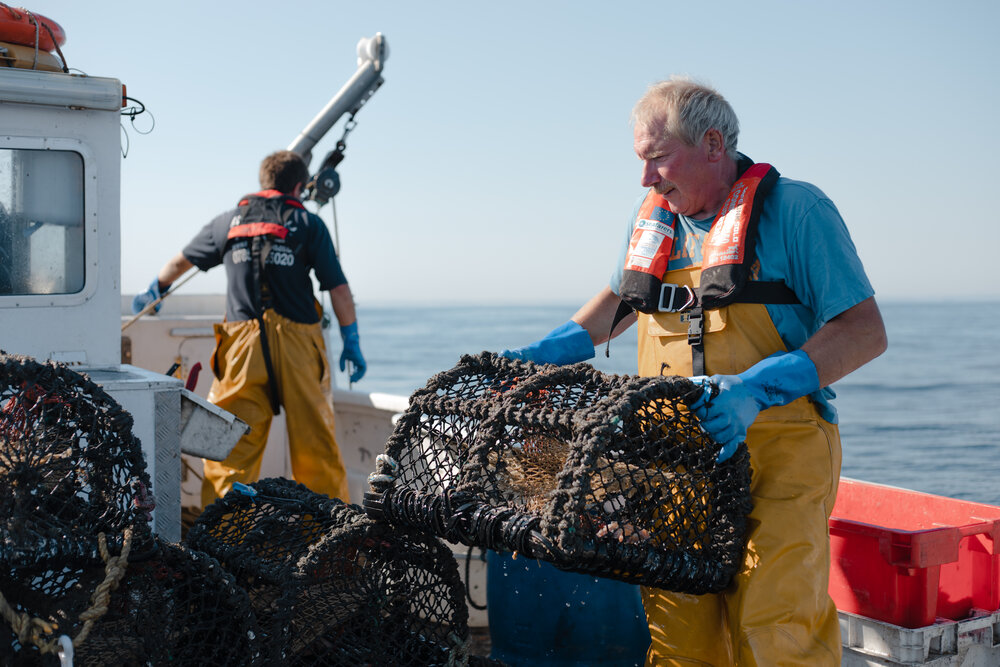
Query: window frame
91, 217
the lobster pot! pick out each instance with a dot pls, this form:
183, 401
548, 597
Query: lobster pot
332, 587
172, 606
599, 474
70, 468
432, 473
432, 440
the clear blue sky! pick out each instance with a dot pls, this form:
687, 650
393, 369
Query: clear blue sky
496, 162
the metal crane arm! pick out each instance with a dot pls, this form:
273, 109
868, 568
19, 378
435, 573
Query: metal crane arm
372, 54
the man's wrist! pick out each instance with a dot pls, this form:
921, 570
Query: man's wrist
349, 330
781, 378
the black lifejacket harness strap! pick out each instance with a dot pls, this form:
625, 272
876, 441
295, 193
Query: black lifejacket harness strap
264, 215
729, 253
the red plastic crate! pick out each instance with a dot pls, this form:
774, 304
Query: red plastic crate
907, 558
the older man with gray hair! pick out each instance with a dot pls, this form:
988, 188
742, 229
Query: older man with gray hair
749, 282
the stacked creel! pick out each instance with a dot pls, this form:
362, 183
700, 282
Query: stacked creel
81, 573
332, 587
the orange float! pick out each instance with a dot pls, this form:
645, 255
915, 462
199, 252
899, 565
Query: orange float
19, 26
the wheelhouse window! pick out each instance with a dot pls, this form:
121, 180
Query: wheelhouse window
41, 222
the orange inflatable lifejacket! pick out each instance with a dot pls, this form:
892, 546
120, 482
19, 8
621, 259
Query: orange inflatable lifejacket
19, 26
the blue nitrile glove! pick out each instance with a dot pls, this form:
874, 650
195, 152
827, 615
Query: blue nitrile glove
566, 344
143, 299
776, 380
352, 351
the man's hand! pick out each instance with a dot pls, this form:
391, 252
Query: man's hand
729, 404
352, 351
152, 293
727, 415
566, 344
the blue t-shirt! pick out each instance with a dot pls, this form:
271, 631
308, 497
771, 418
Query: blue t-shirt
803, 242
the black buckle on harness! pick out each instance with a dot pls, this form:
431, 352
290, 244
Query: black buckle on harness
695, 329
667, 304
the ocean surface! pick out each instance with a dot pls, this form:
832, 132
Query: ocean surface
923, 416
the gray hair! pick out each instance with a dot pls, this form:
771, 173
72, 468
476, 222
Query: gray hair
690, 109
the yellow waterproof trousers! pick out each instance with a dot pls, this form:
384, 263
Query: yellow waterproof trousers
778, 610
302, 373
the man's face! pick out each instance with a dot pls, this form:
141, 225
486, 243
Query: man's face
678, 172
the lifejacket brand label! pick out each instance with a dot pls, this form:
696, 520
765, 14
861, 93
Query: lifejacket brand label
724, 242
637, 262
650, 238
650, 246
656, 226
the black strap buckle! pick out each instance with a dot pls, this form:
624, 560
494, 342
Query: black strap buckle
695, 329
670, 294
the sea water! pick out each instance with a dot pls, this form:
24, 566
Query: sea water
924, 416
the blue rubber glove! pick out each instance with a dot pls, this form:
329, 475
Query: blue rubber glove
352, 351
776, 380
566, 344
143, 299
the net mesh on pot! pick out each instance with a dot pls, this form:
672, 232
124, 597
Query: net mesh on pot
81, 572
70, 468
332, 587
602, 474
175, 606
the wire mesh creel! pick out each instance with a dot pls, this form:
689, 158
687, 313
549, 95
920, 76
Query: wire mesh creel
78, 557
175, 606
70, 467
601, 474
332, 587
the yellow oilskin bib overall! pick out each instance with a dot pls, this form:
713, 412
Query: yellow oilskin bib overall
777, 611
241, 387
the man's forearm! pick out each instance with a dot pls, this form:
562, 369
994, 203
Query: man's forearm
597, 315
176, 267
847, 342
343, 305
